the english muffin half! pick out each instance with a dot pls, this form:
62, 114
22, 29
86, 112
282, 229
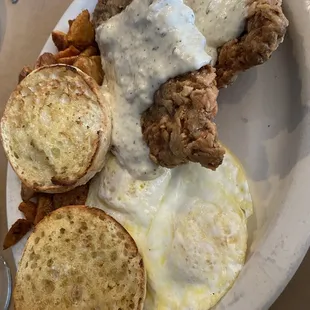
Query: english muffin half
80, 258
56, 129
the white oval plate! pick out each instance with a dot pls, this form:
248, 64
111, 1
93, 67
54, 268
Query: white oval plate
264, 119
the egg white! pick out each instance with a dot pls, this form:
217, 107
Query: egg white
189, 225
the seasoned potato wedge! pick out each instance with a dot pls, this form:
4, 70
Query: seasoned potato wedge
90, 51
18, 230
29, 210
81, 32
25, 71
60, 40
68, 52
91, 66
68, 60
45, 59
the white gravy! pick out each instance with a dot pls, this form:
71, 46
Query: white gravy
219, 21
142, 48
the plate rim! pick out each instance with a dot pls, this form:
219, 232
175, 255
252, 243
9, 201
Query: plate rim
274, 240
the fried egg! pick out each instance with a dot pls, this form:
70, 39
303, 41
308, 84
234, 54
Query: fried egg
189, 225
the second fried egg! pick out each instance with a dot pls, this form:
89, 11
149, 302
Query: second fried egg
189, 224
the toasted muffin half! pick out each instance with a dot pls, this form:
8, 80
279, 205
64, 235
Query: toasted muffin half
56, 129
80, 258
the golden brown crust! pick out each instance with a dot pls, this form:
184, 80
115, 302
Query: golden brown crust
90, 51
81, 32
178, 128
68, 60
68, 52
91, 66
60, 40
265, 29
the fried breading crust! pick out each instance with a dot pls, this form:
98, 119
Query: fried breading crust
106, 9
265, 29
178, 127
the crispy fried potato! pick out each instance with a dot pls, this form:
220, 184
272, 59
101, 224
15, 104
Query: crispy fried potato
68, 52
70, 21
97, 72
76, 196
45, 206
83, 64
60, 40
91, 66
26, 193
45, 59
90, 51
97, 60
16, 232
29, 210
25, 71
81, 32
68, 60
